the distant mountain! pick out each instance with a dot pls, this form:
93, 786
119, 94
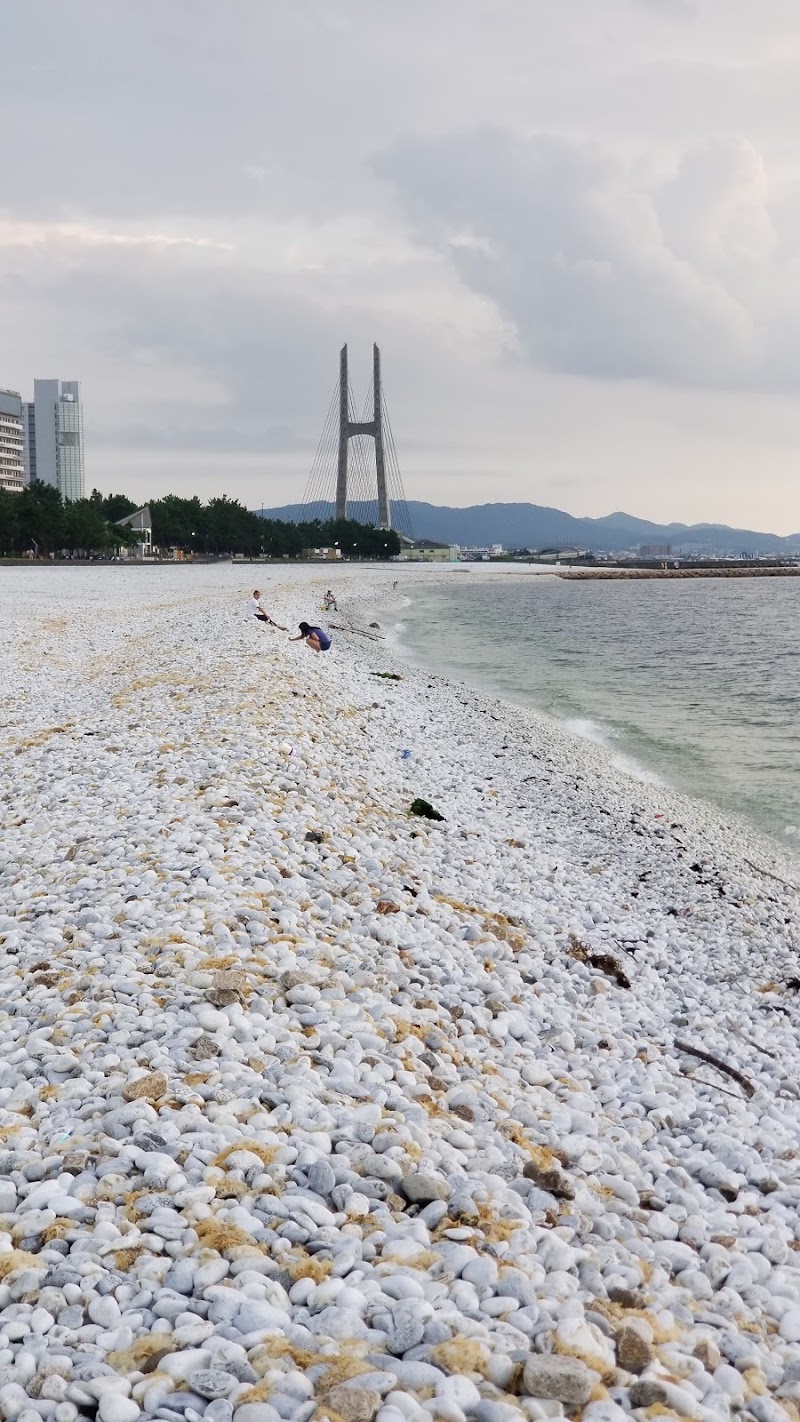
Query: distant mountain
534, 526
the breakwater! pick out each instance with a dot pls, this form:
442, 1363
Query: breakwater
718, 571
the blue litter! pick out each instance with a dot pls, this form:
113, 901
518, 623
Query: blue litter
405, 755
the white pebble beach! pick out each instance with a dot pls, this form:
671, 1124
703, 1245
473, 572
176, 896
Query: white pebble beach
314, 1108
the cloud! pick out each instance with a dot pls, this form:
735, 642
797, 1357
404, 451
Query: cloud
683, 8
714, 210
177, 434
609, 267
220, 355
566, 285
40, 234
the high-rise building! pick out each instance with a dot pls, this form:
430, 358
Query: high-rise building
29, 440
12, 467
53, 435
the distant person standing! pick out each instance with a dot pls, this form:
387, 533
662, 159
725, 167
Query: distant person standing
314, 637
254, 609
329, 602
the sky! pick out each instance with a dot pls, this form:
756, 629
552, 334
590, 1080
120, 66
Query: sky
573, 229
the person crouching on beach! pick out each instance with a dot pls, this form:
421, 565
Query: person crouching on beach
254, 609
314, 637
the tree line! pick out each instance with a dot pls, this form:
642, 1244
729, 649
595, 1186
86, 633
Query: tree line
39, 521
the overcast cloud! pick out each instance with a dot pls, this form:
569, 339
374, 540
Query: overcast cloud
573, 229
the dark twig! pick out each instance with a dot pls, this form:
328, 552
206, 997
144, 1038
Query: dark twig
355, 631
752, 1041
714, 1086
747, 1086
759, 868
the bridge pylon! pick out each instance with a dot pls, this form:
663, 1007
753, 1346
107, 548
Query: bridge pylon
342, 482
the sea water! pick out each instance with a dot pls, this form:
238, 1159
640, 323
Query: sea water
692, 682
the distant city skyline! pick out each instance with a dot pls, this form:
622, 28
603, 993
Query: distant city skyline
570, 229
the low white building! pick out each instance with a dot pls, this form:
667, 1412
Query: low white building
427, 550
140, 522
319, 555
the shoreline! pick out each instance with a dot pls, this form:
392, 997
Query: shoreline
587, 728
591, 757
416, 1092
509, 568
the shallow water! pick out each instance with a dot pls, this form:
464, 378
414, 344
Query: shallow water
695, 683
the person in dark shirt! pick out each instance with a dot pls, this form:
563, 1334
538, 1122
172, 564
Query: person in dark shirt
314, 637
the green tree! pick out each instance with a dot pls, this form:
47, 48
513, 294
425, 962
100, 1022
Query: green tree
86, 529
231, 528
124, 537
41, 517
9, 523
277, 538
178, 523
356, 540
116, 506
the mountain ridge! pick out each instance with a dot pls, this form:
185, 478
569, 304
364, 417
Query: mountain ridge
525, 525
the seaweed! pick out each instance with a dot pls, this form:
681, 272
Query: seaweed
423, 808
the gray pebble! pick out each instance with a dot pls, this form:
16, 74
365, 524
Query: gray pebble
420, 1189
321, 1178
559, 1379
212, 1383
406, 1335
219, 1411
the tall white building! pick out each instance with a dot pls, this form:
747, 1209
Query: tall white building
53, 435
12, 466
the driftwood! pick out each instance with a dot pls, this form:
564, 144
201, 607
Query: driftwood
752, 1041
715, 1086
747, 1086
355, 632
759, 868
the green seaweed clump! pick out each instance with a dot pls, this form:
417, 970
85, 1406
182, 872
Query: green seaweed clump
421, 807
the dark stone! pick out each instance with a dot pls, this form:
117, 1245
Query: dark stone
150, 1140
151, 1363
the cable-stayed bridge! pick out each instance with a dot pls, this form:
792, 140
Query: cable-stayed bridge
356, 468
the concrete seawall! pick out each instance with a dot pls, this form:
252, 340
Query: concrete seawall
744, 572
